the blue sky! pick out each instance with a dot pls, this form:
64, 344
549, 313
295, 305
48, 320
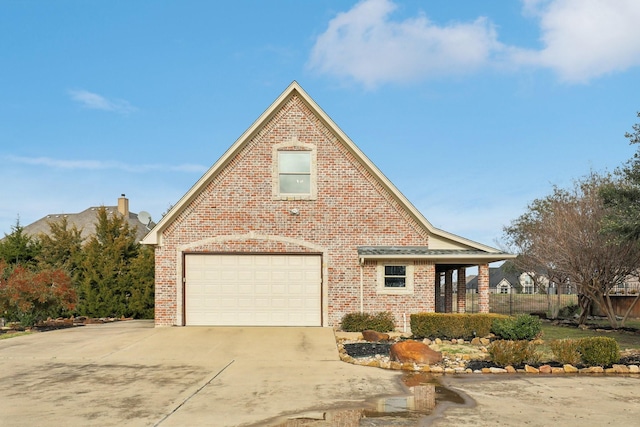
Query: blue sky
473, 109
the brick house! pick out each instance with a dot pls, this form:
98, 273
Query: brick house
294, 225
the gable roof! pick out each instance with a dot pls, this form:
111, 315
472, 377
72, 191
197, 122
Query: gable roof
438, 239
85, 221
497, 275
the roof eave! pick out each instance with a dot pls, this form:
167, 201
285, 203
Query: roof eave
456, 258
155, 235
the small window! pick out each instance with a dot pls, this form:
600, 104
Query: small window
394, 279
294, 172
395, 276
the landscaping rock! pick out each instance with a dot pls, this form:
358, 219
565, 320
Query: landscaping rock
476, 341
531, 370
414, 351
620, 369
545, 369
634, 369
374, 336
570, 369
592, 370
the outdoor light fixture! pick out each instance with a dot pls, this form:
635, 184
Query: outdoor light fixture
294, 211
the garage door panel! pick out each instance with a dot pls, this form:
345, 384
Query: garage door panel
253, 290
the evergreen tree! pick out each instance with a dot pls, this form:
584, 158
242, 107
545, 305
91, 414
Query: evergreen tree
19, 248
622, 197
62, 249
141, 301
116, 274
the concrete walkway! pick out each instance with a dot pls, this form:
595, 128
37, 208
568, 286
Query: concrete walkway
132, 374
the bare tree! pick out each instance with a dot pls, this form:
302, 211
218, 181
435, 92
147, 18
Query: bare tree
523, 237
562, 237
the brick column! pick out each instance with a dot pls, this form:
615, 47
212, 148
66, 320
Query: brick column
483, 288
448, 291
462, 290
438, 278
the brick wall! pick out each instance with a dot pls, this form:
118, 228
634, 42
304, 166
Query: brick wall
237, 209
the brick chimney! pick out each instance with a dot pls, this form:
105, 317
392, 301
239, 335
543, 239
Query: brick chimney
123, 206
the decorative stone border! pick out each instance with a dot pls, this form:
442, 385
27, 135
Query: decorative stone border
457, 365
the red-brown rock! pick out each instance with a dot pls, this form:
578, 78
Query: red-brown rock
545, 369
414, 351
373, 336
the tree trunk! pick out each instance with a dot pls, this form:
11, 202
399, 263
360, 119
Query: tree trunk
585, 308
626, 314
610, 312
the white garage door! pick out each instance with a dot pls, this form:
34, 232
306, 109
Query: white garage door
253, 290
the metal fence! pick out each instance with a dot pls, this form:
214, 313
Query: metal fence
513, 303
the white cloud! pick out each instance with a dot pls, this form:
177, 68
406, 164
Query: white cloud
103, 165
366, 45
585, 39
581, 40
98, 102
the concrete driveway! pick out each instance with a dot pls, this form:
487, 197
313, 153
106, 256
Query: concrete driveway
132, 374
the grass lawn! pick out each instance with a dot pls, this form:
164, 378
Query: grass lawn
8, 335
626, 340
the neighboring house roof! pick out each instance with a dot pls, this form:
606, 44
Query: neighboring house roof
86, 220
496, 276
450, 244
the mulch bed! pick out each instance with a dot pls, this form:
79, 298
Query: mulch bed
55, 324
367, 349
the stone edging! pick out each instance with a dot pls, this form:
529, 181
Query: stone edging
457, 366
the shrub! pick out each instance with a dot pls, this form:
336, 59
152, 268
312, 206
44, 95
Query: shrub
569, 311
566, 351
451, 325
599, 351
521, 327
514, 353
358, 322
30, 297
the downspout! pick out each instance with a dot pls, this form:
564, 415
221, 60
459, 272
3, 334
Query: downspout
361, 285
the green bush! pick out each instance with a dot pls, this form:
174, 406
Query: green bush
599, 351
358, 322
521, 327
514, 353
451, 325
566, 351
591, 351
569, 311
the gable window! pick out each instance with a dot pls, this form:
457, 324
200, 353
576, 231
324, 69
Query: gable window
395, 278
294, 172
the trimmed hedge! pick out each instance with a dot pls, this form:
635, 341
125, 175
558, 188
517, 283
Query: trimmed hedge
514, 353
358, 322
566, 351
590, 351
521, 327
452, 325
599, 351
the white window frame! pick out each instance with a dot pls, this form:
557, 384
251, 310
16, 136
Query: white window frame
295, 145
408, 286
